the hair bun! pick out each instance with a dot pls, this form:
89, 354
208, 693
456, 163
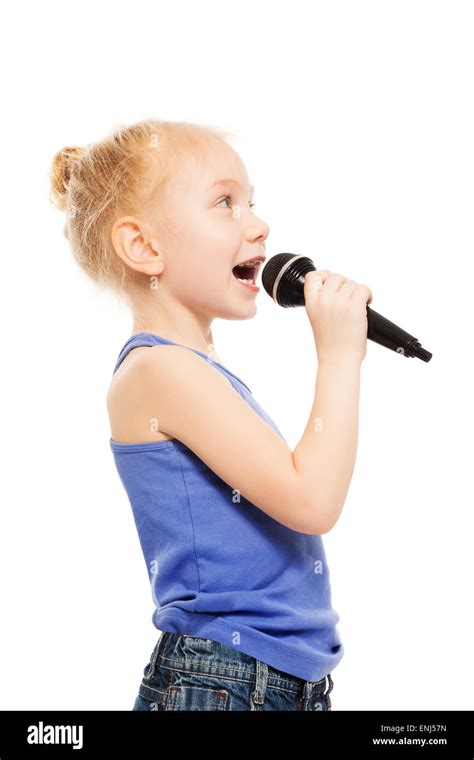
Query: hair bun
60, 173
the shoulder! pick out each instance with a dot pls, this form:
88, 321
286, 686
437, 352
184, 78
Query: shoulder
144, 362
178, 375
160, 382
137, 390
177, 360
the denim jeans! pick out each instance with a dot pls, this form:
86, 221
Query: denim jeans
191, 673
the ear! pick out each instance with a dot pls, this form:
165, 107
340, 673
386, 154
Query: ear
129, 241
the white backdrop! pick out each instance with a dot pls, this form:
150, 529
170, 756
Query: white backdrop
356, 123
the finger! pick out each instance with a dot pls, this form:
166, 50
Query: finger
363, 293
315, 279
347, 288
334, 282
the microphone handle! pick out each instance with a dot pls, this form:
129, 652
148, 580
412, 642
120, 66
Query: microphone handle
387, 334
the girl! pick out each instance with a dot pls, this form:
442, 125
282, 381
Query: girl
229, 518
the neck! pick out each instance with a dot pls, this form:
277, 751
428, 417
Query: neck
176, 323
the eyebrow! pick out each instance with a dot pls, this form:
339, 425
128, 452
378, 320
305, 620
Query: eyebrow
229, 181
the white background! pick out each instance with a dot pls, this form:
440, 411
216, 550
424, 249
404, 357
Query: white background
357, 126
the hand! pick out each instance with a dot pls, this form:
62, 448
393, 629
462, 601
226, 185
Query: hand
337, 310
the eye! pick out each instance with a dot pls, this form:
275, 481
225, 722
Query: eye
231, 198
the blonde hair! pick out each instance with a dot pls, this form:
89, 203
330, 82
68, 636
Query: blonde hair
123, 174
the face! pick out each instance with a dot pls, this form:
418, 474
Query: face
212, 227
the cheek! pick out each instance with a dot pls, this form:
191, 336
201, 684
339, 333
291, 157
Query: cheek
218, 227
215, 250
206, 248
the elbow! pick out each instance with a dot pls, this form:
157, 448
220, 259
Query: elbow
325, 528
321, 519
318, 529
318, 512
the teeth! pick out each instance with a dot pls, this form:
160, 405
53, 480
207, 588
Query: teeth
246, 282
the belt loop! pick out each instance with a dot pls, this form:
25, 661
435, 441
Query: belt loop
261, 680
308, 687
330, 683
151, 670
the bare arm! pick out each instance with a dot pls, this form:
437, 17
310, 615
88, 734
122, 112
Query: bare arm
326, 453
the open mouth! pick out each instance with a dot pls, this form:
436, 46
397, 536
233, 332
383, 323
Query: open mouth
247, 272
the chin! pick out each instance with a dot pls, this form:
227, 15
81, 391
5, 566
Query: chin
242, 311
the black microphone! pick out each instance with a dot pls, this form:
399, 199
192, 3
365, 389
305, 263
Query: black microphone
283, 279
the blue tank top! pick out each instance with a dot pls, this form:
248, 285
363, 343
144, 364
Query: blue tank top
219, 567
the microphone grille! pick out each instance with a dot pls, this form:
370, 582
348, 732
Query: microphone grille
272, 269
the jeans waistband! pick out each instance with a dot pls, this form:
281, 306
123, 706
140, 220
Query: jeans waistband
178, 651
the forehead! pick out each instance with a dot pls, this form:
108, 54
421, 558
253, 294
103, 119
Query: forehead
213, 166
224, 182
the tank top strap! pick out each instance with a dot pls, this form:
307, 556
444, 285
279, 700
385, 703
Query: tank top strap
151, 339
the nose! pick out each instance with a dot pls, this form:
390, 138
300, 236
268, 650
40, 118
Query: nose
258, 231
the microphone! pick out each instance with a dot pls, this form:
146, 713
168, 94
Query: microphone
283, 279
